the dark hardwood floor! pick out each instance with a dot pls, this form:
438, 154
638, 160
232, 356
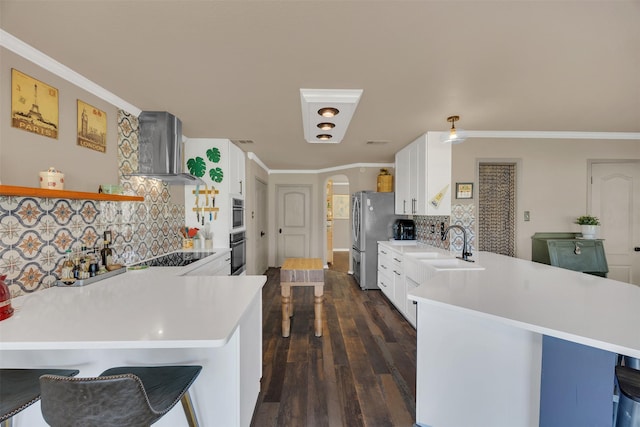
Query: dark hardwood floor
361, 372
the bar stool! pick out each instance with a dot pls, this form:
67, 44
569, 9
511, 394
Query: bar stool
123, 396
628, 413
20, 388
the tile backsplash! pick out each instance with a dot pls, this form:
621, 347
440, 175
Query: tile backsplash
428, 228
35, 233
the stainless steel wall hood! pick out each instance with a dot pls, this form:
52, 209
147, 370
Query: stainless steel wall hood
160, 145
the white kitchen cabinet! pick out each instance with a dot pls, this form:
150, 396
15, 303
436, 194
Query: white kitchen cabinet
406, 186
394, 281
391, 278
219, 265
236, 171
385, 272
222, 167
423, 170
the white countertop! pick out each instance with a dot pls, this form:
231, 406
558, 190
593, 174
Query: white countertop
151, 308
573, 306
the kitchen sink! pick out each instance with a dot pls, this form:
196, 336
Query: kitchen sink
424, 255
441, 264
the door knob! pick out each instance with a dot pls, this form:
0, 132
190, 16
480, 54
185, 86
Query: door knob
261, 233
637, 249
280, 230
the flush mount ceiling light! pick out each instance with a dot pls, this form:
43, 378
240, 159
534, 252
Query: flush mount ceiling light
318, 105
455, 136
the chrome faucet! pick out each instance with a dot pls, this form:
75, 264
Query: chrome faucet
465, 254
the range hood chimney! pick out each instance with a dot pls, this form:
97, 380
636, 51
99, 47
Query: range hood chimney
160, 145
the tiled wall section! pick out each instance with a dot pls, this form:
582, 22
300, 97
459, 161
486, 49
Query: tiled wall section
428, 228
35, 233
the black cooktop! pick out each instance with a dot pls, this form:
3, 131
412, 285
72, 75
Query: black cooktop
175, 259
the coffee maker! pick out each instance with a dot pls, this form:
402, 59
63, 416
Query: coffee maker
404, 229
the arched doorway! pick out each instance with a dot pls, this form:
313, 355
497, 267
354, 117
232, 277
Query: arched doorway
337, 222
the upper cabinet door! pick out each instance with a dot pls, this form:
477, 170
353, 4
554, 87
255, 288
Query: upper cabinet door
237, 184
423, 177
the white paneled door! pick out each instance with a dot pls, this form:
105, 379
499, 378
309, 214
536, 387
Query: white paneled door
615, 199
294, 221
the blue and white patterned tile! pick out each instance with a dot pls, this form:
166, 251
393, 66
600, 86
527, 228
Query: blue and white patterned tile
89, 237
89, 211
109, 212
28, 212
47, 227
11, 263
62, 241
8, 204
10, 230
76, 226
48, 258
30, 277
29, 245
61, 212
141, 213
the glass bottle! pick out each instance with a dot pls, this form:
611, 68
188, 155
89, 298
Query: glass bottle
66, 275
106, 253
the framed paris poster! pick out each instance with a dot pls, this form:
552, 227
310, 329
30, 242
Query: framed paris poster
92, 127
34, 105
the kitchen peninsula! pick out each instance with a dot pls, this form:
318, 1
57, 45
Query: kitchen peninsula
519, 343
154, 316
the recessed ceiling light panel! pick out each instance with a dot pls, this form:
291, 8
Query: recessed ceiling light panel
328, 112
325, 126
341, 102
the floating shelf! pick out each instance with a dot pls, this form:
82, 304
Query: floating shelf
10, 190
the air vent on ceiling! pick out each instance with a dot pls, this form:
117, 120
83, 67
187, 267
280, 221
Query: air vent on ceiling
377, 142
242, 141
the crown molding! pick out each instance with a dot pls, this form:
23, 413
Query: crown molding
32, 54
333, 169
550, 134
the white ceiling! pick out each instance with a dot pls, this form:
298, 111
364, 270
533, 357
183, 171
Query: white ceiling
234, 69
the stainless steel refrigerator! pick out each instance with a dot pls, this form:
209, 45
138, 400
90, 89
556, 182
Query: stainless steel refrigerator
372, 217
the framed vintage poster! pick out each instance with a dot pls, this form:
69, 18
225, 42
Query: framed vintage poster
92, 127
34, 105
464, 190
340, 206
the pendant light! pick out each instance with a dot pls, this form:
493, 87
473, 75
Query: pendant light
455, 136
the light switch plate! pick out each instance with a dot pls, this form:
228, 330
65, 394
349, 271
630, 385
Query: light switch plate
526, 216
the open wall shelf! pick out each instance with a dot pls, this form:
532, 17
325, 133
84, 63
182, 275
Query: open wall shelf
10, 190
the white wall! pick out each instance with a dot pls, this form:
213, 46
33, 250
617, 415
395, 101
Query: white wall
360, 179
552, 180
25, 154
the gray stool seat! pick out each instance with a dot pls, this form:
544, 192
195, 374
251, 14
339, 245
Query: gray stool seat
629, 399
20, 388
123, 396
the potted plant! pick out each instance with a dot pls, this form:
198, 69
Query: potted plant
589, 225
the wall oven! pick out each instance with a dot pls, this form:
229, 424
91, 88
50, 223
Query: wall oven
237, 214
238, 245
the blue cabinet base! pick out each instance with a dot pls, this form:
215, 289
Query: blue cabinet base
577, 385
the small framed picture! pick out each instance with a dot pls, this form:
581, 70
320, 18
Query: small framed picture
464, 190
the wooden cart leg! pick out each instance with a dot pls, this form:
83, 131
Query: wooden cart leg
286, 310
318, 291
